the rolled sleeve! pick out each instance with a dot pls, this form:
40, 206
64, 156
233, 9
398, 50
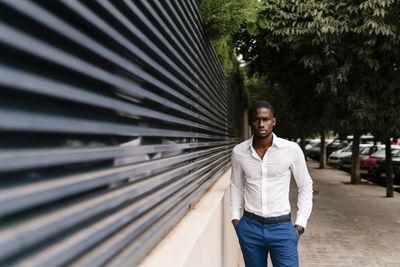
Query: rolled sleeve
236, 187
304, 184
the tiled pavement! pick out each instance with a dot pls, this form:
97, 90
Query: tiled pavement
350, 225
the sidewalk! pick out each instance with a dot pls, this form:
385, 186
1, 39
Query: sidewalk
350, 225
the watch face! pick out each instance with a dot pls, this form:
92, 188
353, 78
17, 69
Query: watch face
300, 229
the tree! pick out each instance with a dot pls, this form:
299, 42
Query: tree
380, 32
342, 44
277, 48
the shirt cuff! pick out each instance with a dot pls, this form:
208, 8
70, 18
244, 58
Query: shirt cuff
236, 215
302, 221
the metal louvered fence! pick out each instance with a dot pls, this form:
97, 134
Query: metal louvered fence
115, 117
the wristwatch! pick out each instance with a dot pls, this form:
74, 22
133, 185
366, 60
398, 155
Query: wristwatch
299, 228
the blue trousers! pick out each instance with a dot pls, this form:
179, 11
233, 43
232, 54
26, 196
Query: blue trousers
257, 239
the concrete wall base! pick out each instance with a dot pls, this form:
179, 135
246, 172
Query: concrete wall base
205, 237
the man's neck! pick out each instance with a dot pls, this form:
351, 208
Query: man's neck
262, 142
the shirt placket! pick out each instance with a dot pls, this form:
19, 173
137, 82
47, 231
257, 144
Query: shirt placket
264, 182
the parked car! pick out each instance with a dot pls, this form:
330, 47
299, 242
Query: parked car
379, 170
364, 139
367, 164
310, 143
338, 144
365, 152
336, 157
314, 151
335, 145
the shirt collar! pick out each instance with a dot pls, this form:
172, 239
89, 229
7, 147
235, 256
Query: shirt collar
275, 141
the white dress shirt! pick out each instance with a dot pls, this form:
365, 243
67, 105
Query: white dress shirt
264, 184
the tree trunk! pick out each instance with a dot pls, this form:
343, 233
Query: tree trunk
355, 159
322, 155
389, 172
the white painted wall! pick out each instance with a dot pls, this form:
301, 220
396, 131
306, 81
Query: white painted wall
205, 237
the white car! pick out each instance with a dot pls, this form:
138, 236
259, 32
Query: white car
312, 143
336, 156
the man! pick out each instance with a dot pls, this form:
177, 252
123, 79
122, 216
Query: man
261, 171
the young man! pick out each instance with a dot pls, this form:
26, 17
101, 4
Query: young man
260, 180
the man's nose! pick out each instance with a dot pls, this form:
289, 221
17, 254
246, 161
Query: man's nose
261, 123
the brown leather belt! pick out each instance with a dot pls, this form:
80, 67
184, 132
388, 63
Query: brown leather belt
269, 220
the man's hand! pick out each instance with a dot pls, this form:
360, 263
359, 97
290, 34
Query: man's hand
299, 229
298, 234
235, 222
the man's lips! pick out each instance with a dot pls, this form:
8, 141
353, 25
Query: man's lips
262, 131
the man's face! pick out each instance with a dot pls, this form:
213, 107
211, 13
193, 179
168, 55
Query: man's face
262, 121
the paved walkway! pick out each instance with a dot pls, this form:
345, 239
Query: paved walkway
350, 225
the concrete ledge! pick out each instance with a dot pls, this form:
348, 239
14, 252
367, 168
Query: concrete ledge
205, 236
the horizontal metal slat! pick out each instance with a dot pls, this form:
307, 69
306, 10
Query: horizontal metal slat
31, 45
136, 250
154, 30
181, 18
26, 196
68, 248
133, 254
25, 159
33, 231
36, 84
204, 99
208, 51
196, 24
101, 25
24, 121
116, 117
181, 8
184, 41
203, 81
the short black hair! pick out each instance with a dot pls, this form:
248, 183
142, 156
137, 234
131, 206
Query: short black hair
260, 104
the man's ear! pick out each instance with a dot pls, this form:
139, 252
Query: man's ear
274, 120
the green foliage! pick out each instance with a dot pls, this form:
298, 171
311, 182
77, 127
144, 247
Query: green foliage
325, 63
222, 18
253, 84
256, 22
350, 49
